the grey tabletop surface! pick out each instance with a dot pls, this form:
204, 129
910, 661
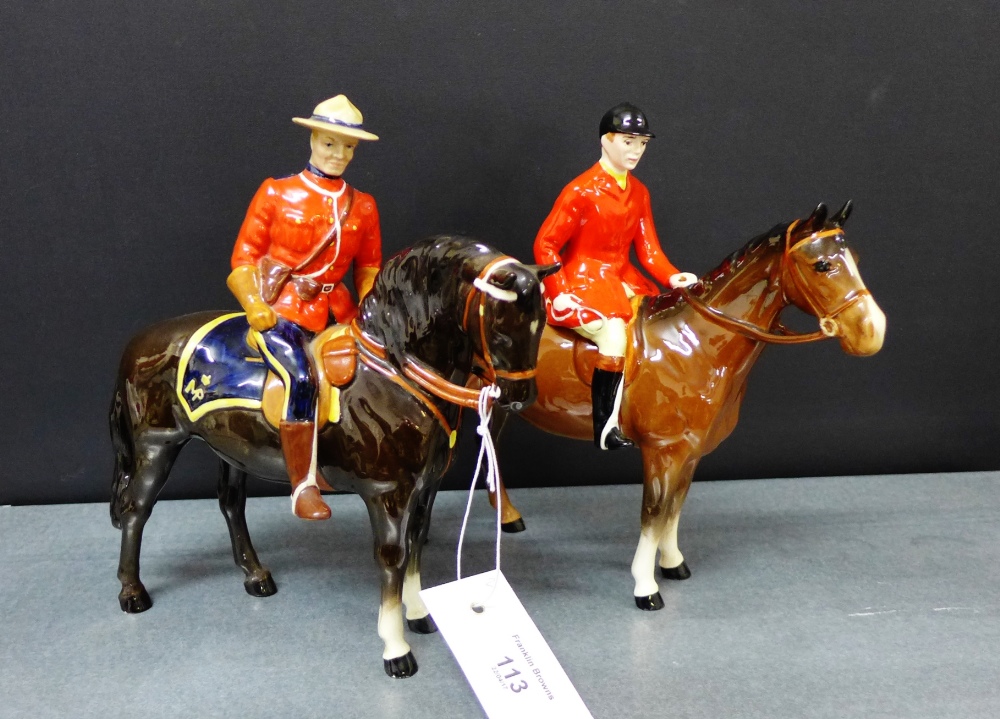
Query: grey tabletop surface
824, 597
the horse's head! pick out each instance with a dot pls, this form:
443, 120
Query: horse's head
505, 316
820, 276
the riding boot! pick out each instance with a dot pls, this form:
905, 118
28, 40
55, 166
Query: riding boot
605, 392
297, 446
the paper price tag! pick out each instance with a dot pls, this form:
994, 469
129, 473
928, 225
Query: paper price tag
508, 663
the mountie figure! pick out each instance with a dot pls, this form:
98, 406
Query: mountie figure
596, 220
300, 237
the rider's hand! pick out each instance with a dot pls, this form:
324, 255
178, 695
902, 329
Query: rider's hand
683, 279
261, 317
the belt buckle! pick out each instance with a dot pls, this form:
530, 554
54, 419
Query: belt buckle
327, 288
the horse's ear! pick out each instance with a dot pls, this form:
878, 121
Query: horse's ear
818, 218
543, 271
842, 214
503, 278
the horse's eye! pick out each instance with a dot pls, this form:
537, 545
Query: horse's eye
822, 266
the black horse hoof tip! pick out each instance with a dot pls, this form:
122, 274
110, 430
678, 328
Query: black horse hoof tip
650, 603
513, 527
135, 603
681, 571
261, 587
401, 667
424, 625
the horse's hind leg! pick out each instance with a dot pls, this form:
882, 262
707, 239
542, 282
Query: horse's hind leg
233, 502
510, 518
155, 452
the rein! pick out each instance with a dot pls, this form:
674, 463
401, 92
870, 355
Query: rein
425, 377
784, 336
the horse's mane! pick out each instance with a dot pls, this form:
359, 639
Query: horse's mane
739, 258
732, 263
419, 295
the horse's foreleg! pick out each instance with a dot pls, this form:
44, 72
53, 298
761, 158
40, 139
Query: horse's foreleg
417, 616
153, 458
667, 475
391, 556
510, 519
233, 502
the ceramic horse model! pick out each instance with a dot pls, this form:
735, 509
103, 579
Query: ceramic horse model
437, 312
688, 359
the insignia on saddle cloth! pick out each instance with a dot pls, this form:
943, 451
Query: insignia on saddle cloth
219, 370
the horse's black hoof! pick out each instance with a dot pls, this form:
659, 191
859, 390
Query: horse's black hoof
135, 603
650, 603
424, 625
264, 587
513, 527
401, 667
681, 571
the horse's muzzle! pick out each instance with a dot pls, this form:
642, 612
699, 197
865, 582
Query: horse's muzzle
515, 395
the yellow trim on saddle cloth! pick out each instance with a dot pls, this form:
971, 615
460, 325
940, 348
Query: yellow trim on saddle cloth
189, 348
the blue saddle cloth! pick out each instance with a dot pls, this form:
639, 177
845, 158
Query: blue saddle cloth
219, 370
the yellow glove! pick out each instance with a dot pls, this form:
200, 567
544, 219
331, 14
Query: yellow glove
244, 283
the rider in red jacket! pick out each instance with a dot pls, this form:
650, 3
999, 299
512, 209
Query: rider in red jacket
597, 219
300, 237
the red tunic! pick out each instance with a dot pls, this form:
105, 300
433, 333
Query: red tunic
590, 230
289, 218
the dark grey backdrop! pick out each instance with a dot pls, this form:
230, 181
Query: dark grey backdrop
134, 135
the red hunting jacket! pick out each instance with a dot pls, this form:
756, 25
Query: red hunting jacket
590, 230
288, 219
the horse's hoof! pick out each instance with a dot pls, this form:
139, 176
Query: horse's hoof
134, 603
513, 527
424, 625
401, 667
262, 587
681, 571
650, 603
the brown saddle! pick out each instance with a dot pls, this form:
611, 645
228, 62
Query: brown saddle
334, 356
585, 352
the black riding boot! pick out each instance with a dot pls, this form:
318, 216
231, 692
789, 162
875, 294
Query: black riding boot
604, 389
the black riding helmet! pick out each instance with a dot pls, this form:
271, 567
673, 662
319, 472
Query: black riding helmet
627, 119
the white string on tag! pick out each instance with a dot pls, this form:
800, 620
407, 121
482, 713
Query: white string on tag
487, 449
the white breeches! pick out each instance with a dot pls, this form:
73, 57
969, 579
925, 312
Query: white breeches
609, 336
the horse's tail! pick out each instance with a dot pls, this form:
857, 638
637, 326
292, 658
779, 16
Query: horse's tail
124, 447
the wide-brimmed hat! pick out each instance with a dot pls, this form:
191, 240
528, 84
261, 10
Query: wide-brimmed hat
339, 116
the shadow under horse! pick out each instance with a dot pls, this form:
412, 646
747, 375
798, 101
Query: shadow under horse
439, 311
689, 356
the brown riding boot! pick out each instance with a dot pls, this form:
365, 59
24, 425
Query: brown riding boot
297, 446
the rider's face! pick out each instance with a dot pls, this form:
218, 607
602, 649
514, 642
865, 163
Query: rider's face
331, 153
622, 151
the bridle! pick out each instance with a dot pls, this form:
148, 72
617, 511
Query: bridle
425, 377
827, 319
484, 360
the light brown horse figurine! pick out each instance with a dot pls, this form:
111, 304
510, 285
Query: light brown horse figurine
689, 355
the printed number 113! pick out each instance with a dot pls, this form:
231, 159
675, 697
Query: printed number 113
514, 687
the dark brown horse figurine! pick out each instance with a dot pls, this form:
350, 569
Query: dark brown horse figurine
687, 365
438, 312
